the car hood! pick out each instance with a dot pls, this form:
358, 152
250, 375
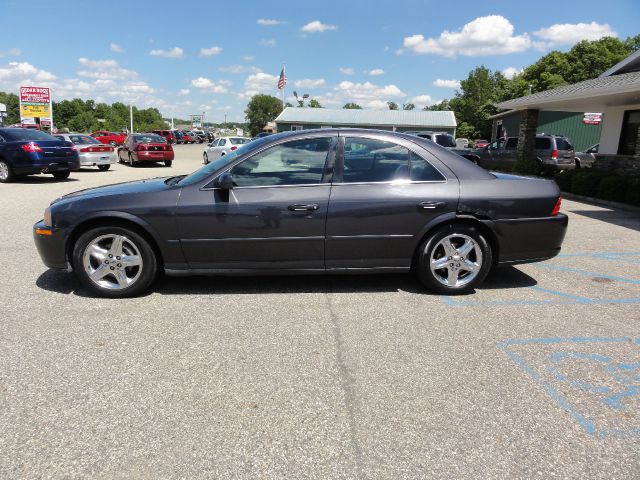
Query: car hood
127, 188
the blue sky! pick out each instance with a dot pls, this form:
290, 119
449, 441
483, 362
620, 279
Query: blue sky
212, 56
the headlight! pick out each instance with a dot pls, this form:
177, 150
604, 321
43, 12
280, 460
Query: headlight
48, 217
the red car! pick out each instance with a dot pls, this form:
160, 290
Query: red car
109, 138
480, 144
145, 147
166, 134
187, 138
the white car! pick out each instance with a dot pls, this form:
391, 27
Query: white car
221, 146
91, 151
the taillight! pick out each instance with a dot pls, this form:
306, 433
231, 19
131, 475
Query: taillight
31, 147
235, 147
554, 155
556, 209
86, 149
73, 148
141, 147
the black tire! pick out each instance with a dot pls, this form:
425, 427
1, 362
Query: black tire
577, 163
8, 176
61, 175
104, 168
149, 269
168, 163
132, 163
205, 157
423, 258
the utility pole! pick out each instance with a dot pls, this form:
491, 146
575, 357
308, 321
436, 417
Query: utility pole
131, 117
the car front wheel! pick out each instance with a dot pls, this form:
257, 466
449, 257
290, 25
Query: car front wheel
114, 262
454, 260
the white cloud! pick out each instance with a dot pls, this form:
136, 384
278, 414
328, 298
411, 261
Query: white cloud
12, 52
421, 101
248, 58
571, 33
175, 52
270, 21
367, 95
20, 72
184, 91
268, 42
310, 83
105, 70
511, 72
239, 69
439, 82
211, 51
207, 85
346, 70
116, 48
375, 71
317, 27
259, 82
490, 35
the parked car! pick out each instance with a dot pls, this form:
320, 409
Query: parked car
145, 147
27, 151
441, 138
179, 136
289, 203
462, 143
201, 137
187, 138
587, 158
553, 151
262, 134
111, 138
166, 134
220, 147
480, 143
90, 151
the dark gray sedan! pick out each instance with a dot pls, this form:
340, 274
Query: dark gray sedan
313, 201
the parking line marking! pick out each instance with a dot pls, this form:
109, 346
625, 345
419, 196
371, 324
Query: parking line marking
587, 273
479, 303
562, 294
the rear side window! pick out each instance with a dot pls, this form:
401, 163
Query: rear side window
543, 143
423, 171
563, 144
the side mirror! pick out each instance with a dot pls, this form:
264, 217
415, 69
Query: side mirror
224, 181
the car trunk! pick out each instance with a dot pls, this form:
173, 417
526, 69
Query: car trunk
55, 149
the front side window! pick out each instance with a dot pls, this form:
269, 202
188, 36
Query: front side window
299, 162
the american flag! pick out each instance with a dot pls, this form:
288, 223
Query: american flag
282, 81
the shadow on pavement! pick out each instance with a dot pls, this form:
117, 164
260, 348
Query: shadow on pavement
66, 283
620, 218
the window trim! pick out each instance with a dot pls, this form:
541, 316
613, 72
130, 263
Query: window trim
340, 165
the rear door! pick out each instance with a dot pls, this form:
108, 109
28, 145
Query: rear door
385, 191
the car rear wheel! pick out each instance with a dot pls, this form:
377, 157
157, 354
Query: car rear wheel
131, 162
104, 168
168, 163
114, 262
6, 173
61, 175
454, 259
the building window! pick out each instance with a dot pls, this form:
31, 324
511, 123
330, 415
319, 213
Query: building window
296, 127
629, 134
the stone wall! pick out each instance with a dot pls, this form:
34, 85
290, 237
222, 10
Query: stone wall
618, 164
527, 135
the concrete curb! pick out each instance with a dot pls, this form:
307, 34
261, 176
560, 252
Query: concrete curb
600, 202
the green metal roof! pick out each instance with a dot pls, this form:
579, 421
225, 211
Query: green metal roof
389, 118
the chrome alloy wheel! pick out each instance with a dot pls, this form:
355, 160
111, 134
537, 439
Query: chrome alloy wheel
4, 171
112, 262
456, 260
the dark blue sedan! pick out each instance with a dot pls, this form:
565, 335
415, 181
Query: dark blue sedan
27, 151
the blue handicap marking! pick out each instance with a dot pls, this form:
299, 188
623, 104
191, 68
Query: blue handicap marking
595, 380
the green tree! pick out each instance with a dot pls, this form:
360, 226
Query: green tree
633, 43
438, 107
408, 106
589, 59
313, 103
352, 106
12, 102
392, 105
260, 110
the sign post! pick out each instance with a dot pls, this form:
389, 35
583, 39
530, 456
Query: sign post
35, 106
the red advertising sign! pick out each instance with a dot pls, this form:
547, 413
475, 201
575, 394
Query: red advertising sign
592, 118
38, 95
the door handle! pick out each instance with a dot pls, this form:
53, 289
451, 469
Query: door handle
304, 208
431, 205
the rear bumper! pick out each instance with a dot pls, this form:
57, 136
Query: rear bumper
154, 156
47, 166
51, 247
530, 239
90, 159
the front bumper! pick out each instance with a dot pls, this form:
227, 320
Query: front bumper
530, 239
51, 246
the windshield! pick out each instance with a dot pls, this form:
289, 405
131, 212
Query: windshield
149, 138
209, 169
83, 140
25, 135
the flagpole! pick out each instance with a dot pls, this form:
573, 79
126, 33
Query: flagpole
284, 86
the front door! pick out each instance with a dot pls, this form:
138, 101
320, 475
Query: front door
274, 216
384, 194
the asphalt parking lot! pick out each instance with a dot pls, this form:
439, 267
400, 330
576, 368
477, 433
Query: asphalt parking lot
535, 375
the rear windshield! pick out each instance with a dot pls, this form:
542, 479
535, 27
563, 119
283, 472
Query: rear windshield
239, 141
83, 140
25, 135
149, 138
543, 143
563, 144
445, 140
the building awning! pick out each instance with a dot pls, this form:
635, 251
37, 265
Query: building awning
587, 96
